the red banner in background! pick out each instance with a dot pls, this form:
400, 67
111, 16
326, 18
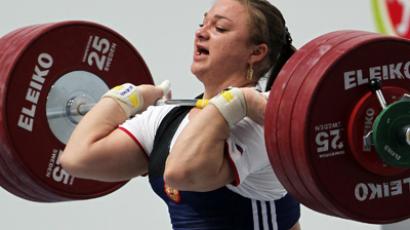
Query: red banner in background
392, 16
399, 12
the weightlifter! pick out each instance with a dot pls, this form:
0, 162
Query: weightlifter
208, 164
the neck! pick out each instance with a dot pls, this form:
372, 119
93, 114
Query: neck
212, 90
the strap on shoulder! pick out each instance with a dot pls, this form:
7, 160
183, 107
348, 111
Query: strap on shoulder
163, 137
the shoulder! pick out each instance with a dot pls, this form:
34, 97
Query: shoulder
161, 110
143, 126
147, 121
249, 136
249, 158
248, 128
152, 114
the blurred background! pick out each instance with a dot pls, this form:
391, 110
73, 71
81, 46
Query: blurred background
163, 32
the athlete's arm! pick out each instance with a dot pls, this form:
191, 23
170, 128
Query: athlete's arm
197, 161
98, 150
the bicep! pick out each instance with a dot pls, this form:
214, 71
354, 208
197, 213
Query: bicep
226, 176
121, 153
114, 157
128, 146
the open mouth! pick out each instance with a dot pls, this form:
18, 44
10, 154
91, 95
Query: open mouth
200, 50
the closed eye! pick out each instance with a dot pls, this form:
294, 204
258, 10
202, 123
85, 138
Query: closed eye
221, 30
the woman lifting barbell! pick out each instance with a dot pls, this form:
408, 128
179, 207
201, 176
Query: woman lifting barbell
209, 165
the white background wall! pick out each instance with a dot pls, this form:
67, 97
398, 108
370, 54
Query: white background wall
162, 31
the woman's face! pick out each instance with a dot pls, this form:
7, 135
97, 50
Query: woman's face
222, 43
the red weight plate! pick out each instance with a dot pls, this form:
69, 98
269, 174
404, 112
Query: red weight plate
272, 112
278, 87
10, 181
360, 123
292, 98
21, 181
56, 51
319, 135
286, 105
308, 179
10, 169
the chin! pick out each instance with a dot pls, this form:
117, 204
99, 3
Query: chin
198, 72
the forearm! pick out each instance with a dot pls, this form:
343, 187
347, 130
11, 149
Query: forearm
97, 149
82, 151
105, 116
197, 161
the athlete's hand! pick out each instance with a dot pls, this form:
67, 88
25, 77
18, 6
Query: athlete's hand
134, 99
152, 93
255, 104
236, 103
231, 104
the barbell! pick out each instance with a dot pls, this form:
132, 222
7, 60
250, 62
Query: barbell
337, 140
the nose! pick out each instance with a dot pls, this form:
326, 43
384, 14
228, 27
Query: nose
202, 33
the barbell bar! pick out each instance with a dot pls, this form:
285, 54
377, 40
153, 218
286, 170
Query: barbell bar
80, 109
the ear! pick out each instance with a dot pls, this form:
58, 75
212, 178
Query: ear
258, 53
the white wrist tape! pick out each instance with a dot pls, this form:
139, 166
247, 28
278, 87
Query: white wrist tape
165, 86
266, 94
128, 97
231, 104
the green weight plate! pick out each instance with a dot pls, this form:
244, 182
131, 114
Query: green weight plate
389, 134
